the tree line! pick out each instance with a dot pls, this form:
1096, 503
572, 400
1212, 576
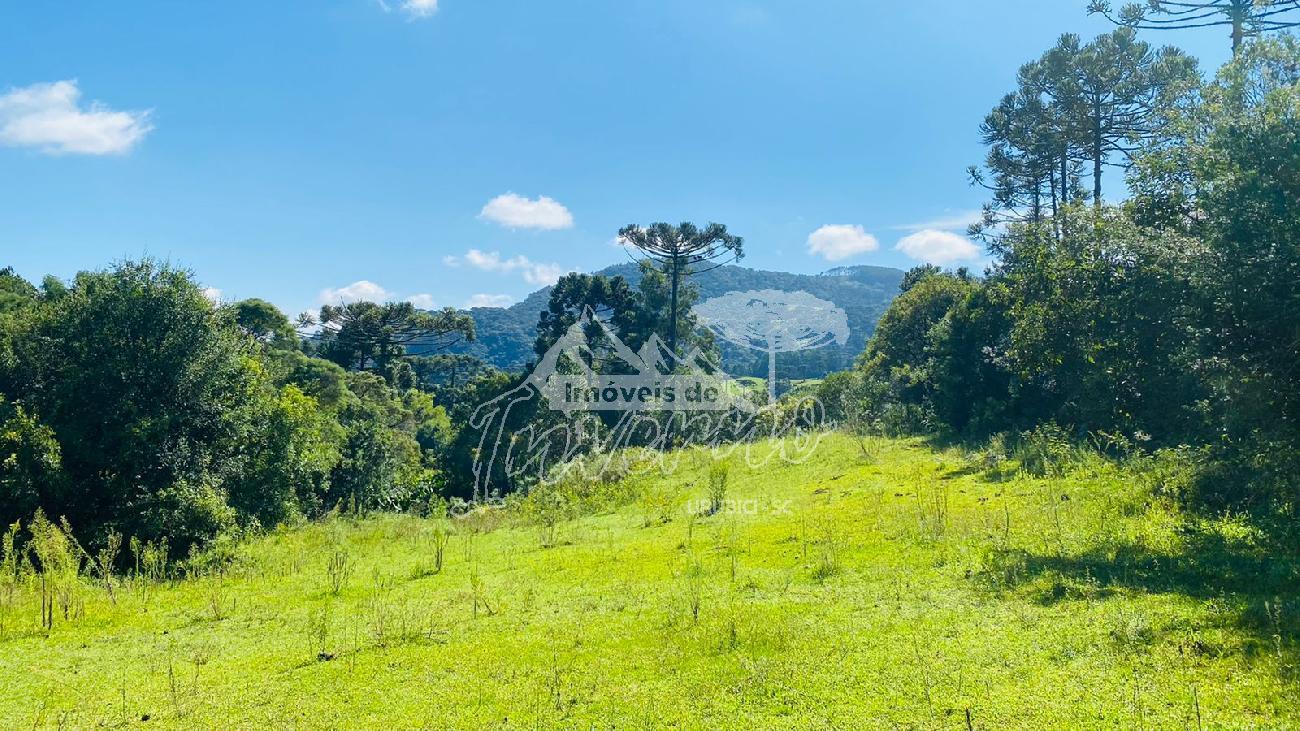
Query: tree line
1170, 317
130, 404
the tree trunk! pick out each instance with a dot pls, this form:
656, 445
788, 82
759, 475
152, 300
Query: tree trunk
771, 371
1056, 221
1065, 184
1096, 153
1065, 167
1239, 12
672, 309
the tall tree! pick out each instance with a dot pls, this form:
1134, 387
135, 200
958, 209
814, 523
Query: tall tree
1025, 145
1245, 17
1035, 148
1098, 103
447, 372
609, 298
264, 322
898, 360
369, 336
15, 292
147, 389
1121, 89
1247, 167
680, 251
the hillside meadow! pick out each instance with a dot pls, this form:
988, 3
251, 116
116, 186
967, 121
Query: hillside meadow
884, 583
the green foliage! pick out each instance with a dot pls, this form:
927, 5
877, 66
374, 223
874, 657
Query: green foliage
370, 336
1168, 320
656, 313
1246, 165
318, 378
59, 560
575, 295
133, 406
446, 375
375, 469
288, 464
1246, 18
898, 364
15, 292
505, 337
264, 322
146, 390
719, 476
11, 568
1045, 451
678, 252
31, 468
1076, 110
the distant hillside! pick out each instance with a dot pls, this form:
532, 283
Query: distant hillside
505, 335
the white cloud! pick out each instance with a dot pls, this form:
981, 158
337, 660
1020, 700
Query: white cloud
490, 261
362, 290
50, 118
516, 211
959, 221
938, 247
213, 294
414, 9
420, 8
841, 241
489, 300
543, 274
422, 301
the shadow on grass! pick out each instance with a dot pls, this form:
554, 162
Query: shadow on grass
1256, 585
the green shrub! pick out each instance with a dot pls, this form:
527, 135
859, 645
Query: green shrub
11, 567
31, 466
291, 455
146, 388
1045, 450
59, 560
719, 476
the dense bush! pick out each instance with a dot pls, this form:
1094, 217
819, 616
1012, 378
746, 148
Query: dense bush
1171, 319
148, 393
130, 404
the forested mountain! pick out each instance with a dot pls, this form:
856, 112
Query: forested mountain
505, 335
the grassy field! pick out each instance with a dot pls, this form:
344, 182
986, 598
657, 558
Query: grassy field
895, 586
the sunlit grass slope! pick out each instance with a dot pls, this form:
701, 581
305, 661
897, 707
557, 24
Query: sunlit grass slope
891, 586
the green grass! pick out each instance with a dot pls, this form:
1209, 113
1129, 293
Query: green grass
896, 586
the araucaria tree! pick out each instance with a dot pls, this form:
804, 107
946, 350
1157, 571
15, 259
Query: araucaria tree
1170, 319
1078, 107
680, 251
1245, 17
608, 298
368, 336
1118, 87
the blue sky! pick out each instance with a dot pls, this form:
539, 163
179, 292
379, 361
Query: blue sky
469, 150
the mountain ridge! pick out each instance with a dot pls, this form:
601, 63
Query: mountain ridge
505, 335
